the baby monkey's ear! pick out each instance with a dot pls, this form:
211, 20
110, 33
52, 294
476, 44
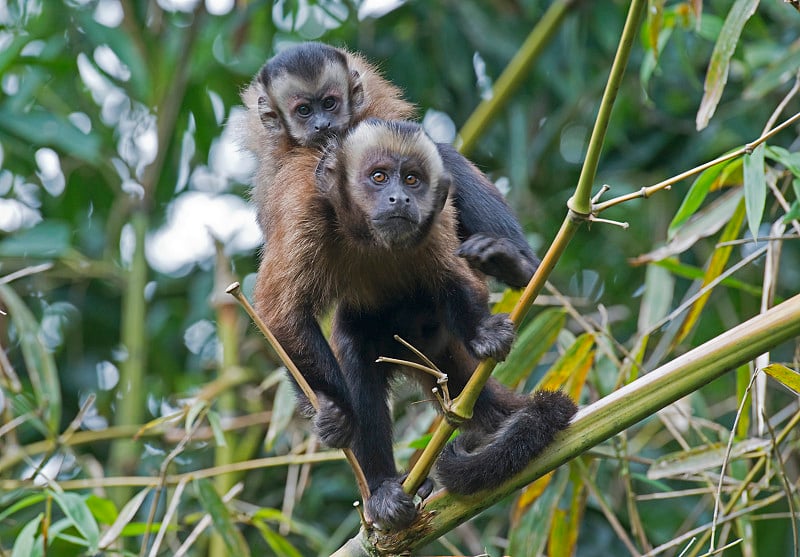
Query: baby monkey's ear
356, 91
268, 116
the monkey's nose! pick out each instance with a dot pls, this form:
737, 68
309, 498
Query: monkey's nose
323, 126
393, 199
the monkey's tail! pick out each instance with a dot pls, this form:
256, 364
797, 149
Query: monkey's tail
473, 461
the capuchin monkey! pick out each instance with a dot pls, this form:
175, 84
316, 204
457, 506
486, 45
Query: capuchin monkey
312, 91
367, 226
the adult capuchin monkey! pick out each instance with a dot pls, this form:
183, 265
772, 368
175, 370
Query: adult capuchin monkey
367, 226
311, 91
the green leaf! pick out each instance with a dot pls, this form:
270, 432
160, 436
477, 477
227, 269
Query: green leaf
659, 285
282, 410
790, 160
124, 517
695, 197
24, 545
47, 240
530, 535
39, 360
532, 342
40, 127
787, 376
102, 509
279, 545
221, 517
717, 75
22, 504
755, 188
78, 513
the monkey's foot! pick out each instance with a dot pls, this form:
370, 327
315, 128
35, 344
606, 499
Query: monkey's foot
391, 508
497, 257
334, 425
493, 338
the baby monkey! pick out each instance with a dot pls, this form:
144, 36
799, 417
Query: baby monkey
309, 92
368, 227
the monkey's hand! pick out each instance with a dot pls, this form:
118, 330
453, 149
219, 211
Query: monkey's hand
391, 508
493, 337
499, 258
334, 425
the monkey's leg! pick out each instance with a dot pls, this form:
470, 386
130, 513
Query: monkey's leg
358, 343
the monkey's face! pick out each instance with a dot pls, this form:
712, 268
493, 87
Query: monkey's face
314, 108
396, 193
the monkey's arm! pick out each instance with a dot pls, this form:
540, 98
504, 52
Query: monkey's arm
492, 239
302, 338
486, 335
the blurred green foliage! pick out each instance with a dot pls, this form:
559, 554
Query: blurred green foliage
113, 110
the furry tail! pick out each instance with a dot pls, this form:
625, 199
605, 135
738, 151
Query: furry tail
476, 460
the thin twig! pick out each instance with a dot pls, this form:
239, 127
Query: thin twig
650, 190
235, 290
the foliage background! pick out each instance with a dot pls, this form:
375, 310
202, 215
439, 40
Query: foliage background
117, 318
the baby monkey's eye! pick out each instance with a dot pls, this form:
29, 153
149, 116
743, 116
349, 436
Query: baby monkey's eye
329, 103
379, 176
411, 180
303, 110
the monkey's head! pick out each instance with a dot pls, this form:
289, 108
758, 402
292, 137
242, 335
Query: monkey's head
386, 182
311, 93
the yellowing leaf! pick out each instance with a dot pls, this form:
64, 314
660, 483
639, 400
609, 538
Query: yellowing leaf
571, 369
787, 376
534, 490
532, 342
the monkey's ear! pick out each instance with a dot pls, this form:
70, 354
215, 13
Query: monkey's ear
268, 116
443, 190
356, 90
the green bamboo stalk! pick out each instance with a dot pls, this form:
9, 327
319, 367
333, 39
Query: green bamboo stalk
130, 405
580, 202
513, 75
605, 418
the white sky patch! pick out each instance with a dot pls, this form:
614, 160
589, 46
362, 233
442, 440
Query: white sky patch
110, 63
483, 81
219, 7
81, 121
33, 48
50, 171
15, 215
439, 126
194, 219
109, 13
377, 8
178, 5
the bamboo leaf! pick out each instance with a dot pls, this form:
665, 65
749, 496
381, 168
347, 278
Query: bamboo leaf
79, 515
532, 342
702, 225
279, 545
715, 267
124, 518
24, 545
717, 74
788, 159
282, 409
529, 536
787, 376
703, 184
659, 286
755, 188
701, 459
221, 517
39, 361
571, 369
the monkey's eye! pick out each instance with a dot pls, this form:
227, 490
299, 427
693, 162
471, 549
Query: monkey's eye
303, 110
411, 179
379, 177
329, 103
